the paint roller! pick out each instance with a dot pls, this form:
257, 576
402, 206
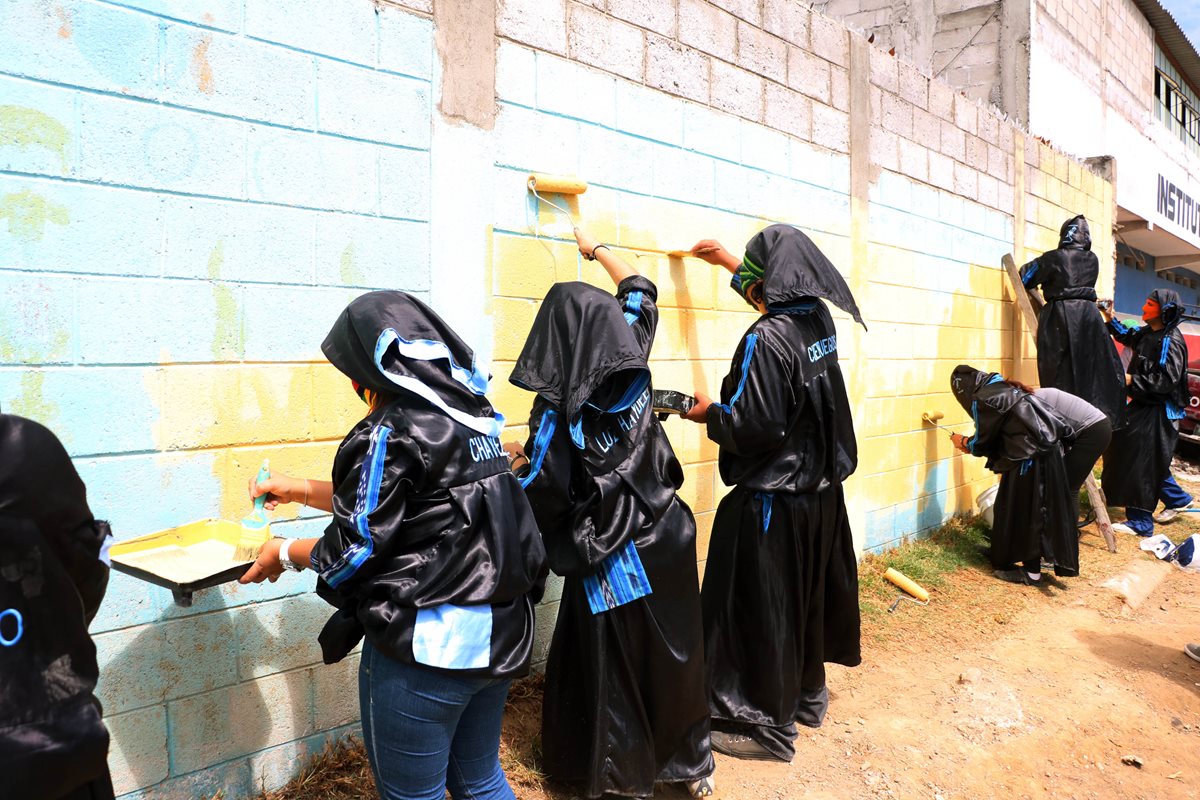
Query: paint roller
539, 183
907, 585
931, 416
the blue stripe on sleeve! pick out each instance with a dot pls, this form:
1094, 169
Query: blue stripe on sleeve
975, 436
1166, 345
1029, 275
621, 579
540, 444
633, 307
370, 479
751, 342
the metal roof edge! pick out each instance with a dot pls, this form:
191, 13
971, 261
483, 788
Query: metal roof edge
1173, 38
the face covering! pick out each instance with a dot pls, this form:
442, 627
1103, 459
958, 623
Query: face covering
748, 273
1150, 311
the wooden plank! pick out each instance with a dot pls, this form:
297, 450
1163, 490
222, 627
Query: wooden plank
1030, 303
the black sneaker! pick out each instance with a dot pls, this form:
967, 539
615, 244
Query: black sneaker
1016, 576
739, 745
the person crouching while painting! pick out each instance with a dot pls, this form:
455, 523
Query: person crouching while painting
1023, 440
433, 552
780, 593
624, 700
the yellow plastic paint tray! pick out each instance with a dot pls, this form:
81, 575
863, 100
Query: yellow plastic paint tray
184, 559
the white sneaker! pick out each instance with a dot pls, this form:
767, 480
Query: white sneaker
1169, 514
1121, 527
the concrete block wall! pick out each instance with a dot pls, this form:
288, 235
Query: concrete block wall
947, 187
189, 194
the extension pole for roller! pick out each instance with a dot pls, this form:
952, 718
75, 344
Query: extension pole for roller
1025, 303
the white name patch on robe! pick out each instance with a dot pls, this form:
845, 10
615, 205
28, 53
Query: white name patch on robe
453, 637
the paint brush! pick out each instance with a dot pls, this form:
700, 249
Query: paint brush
256, 529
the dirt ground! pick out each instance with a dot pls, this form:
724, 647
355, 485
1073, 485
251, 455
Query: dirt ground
993, 690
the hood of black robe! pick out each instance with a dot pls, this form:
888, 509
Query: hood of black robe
966, 382
1170, 306
794, 268
581, 352
392, 342
1075, 234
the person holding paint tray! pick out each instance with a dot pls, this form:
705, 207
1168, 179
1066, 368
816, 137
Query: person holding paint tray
780, 593
432, 554
624, 704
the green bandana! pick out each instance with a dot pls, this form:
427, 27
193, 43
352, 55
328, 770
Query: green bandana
747, 273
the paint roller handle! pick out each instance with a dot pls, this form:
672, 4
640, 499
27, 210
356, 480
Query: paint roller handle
714, 253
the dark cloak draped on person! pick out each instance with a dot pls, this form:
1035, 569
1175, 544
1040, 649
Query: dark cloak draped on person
1022, 440
1139, 458
52, 739
1075, 353
780, 593
432, 538
624, 703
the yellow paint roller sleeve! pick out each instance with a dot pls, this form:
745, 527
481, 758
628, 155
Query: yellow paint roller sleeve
907, 584
557, 184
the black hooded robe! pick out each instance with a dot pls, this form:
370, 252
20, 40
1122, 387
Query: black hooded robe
1139, 458
780, 593
624, 704
53, 573
1022, 440
1075, 353
433, 551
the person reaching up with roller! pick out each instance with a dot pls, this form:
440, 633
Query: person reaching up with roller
780, 595
625, 703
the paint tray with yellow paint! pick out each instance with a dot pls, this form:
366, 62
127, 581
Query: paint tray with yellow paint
186, 559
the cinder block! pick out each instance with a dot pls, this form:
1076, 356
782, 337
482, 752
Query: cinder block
914, 160
883, 71
658, 17
145, 145
966, 114
737, 91
884, 149
274, 768
788, 111
232, 778
315, 171
44, 135
537, 23
79, 404
371, 105
516, 74
608, 44
527, 140
279, 636
616, 159
765, 149
81, 43
264, 307
708, 29
830, 40
698, 485
839, 83
676, 69
150, 664
788, 19
162, 321
512, 321
38, 320
404, 183
335, 693
237, 77
136, 755
372, 253
976, 154
683, 175
220, 14
525, 267
569, 89
914, 86
405, 42
759, 51
742, 9
237, 720
809, 74
647, 113
205, 406
66, 227
712, 132
897, 116
344, 30
831, 128
953, 142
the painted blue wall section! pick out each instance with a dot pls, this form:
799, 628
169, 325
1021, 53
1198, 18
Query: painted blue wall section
190, 191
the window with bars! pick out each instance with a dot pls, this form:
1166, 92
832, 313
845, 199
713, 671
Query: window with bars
1177, 106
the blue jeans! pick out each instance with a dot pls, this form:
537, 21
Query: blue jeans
426, 731
1172, 496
